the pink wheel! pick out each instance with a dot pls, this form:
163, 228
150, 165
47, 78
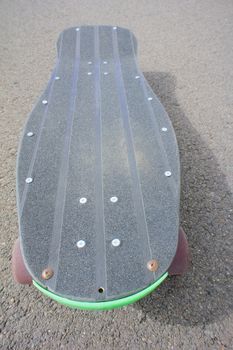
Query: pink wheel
19, 271
181, 260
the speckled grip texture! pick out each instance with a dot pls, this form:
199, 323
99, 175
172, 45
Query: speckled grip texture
98, 132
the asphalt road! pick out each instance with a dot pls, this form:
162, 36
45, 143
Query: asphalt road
186, 52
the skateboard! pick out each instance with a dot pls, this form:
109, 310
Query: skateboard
98, 179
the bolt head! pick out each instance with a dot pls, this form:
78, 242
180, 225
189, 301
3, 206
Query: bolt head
47, 273
45, 102
81, 244
29, 180
57, 78
82, 200
114, 199
150, 98
116, 242
152, 265
164, 129
30, 134
167, 173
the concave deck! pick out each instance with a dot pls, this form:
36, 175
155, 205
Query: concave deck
98, 132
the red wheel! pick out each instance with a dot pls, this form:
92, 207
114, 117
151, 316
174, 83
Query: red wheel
19, 271
181, 260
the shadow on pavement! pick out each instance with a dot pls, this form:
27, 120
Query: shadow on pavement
205, 293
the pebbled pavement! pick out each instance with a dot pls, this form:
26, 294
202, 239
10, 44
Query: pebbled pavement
186, 52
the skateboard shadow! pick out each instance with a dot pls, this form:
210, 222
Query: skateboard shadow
205, 293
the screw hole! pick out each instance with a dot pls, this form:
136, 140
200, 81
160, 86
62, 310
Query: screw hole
101, 290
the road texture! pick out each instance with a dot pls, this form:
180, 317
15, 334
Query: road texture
186, 52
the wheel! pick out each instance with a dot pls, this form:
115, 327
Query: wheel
181, 260
19, 271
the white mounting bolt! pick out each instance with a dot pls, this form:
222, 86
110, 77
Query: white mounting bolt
137, 76
167, 173
57, 78
114, 199
30, 134
164, 129
77, 29
105, 73
116, 242
29, 180
89, 73
44, 102
89, 62
83, 200
105, 62
150, 98
81, 244
114, 28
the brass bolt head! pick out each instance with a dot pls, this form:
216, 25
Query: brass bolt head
47, 273
152, 265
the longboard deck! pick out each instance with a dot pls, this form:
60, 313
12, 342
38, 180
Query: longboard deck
98, 177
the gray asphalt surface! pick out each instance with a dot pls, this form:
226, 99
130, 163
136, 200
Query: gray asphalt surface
186, 52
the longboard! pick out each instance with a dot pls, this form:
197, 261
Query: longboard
98, 178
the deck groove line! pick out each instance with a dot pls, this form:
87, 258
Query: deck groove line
171, 181
38, 136
101, 273
137, 191
63, 174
